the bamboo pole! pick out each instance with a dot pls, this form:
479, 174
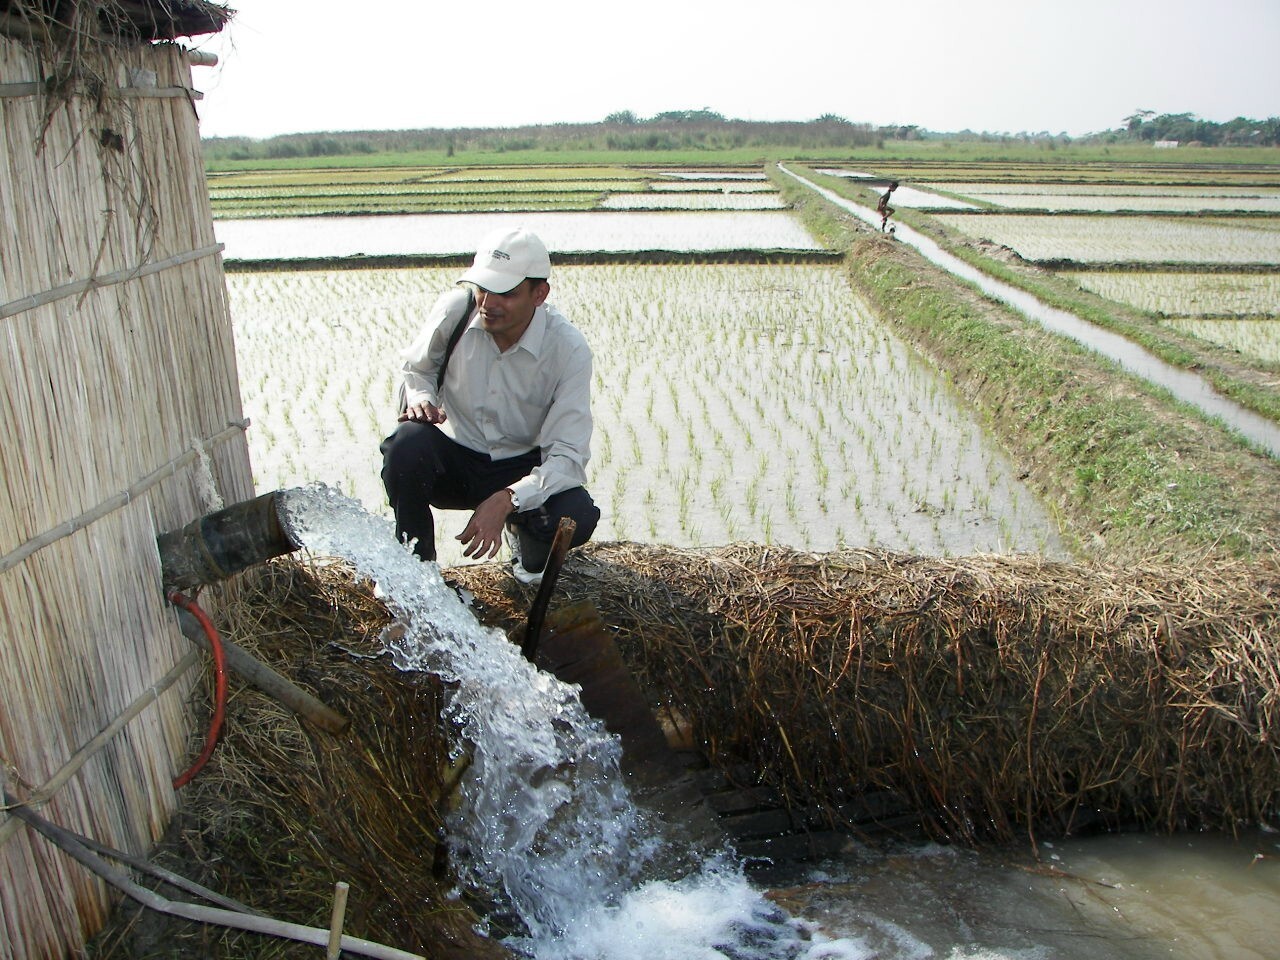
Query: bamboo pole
268, 680
34, 88
168, 876
46, 791
67, 841
336, 919
159, 93
16, 556
23, 304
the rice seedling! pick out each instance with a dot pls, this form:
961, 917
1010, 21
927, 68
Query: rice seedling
1257, 338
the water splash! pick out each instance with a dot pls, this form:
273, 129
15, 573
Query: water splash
546, 825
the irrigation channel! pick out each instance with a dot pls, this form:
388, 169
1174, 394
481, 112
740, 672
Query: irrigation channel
573, 857
1185, 386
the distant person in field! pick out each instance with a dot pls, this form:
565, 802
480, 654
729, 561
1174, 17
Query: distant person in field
506, 431
883, 207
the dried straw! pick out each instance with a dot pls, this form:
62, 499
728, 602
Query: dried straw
995, 695
284, 810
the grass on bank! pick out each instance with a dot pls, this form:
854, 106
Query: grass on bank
1135, 474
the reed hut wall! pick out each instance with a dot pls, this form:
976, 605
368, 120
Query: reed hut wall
121, 418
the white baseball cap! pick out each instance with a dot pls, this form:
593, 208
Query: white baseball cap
505, 257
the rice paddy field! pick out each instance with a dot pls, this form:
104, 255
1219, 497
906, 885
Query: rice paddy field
758, 402
1147, 240
1195, 246
747, 402
732, 402
356, 192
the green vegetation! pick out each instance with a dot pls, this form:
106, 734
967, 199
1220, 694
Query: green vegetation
1146, 125
697, 143
1132, 470
1249, 383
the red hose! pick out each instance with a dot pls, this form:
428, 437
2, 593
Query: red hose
219, 685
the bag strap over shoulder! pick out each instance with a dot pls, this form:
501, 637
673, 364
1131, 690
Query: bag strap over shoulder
402, 400
455, 336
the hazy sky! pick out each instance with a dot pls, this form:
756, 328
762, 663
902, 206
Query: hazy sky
995, 65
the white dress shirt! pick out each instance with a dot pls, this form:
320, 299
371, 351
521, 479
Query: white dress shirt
535, 395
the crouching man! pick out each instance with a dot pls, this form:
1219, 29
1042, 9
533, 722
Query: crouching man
496, 414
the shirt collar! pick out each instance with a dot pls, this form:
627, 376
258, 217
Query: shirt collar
535, 333
532, 338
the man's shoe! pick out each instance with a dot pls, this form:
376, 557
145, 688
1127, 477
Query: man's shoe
527, 577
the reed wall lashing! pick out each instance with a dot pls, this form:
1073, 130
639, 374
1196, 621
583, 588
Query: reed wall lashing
122, 419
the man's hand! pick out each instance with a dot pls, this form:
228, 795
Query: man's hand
483, 535
422, 413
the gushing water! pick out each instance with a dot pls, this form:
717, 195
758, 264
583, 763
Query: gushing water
547, 830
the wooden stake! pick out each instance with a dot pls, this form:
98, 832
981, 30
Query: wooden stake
335, 920
555, 560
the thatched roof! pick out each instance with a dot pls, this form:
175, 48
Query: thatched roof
131, 19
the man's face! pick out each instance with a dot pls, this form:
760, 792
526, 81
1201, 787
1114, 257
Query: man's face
505, 315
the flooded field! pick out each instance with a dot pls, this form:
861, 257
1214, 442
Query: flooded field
1125, 239
1187, 294
563, 232
754, 403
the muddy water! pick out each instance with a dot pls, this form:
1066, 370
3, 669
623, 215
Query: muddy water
1185, 386
1132, 897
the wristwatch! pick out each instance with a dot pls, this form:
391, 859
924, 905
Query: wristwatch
515, 500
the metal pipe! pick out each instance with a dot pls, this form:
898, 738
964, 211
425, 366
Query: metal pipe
223, 543
213, 548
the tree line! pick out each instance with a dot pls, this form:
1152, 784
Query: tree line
691, 130
682, 130
1148, 126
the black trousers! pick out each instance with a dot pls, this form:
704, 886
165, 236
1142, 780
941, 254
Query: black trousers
422, 467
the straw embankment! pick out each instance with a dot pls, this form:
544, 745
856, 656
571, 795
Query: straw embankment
996, 695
